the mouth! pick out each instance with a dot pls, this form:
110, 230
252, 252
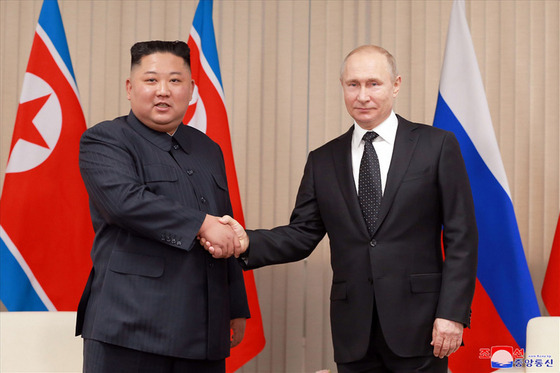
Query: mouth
162, 105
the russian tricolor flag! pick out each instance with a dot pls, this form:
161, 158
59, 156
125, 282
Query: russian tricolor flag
505, 298
46, 231
207, 112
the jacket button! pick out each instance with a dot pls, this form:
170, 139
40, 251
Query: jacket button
190, 172
202, 199
373, 243
175, 146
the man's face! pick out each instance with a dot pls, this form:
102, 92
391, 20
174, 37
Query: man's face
159, 90
369, 91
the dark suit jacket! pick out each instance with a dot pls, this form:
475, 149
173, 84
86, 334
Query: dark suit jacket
400, 269
153, 288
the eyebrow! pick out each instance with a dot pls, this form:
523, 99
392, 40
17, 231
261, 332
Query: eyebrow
155, 72
370, 79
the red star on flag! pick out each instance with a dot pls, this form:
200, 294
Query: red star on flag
25, 128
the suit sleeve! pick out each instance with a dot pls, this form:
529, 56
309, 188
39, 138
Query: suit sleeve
460, 235
117, 193
239, 306
291, 242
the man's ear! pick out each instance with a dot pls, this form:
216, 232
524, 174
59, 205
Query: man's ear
397, 86
128, 88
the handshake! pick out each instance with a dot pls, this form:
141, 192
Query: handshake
223, 237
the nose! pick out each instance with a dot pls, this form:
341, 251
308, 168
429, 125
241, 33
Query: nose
363, 94
163, 88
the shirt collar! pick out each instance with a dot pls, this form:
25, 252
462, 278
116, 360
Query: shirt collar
387, 131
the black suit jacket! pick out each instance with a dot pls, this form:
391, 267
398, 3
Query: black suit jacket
400, 269
153, 287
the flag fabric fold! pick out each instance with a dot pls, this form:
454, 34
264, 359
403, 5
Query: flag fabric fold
551, 286
207, 112
45, 231
504, 299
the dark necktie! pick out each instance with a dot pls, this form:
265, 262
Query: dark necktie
369, 184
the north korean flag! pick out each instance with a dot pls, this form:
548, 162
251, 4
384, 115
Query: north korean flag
45, 232
207, 112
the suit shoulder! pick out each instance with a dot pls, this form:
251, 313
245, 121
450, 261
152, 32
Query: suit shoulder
343, 139
111, 127
199, 139
197, 134
426, 129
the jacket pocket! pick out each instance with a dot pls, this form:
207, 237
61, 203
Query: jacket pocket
136, 264
338, 291
220, 182
418, 174
425, 283
159, 172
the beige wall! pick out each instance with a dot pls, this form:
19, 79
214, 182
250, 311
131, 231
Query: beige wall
280, 62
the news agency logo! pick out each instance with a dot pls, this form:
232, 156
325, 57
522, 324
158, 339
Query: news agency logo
509, 357
503, 356
536, 361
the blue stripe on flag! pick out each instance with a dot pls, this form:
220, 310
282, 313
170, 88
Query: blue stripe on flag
51, 21
16, 291
204, 26
502, 268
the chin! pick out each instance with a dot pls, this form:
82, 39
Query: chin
162, 127
366, 120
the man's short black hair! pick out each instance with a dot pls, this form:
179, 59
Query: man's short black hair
146, 48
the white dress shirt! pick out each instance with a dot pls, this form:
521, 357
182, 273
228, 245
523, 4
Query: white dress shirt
383, 144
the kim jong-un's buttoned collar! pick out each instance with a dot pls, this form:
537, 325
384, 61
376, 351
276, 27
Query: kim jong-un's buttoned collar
160, 139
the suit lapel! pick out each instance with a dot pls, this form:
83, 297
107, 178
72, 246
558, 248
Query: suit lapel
342, 158
405, 143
